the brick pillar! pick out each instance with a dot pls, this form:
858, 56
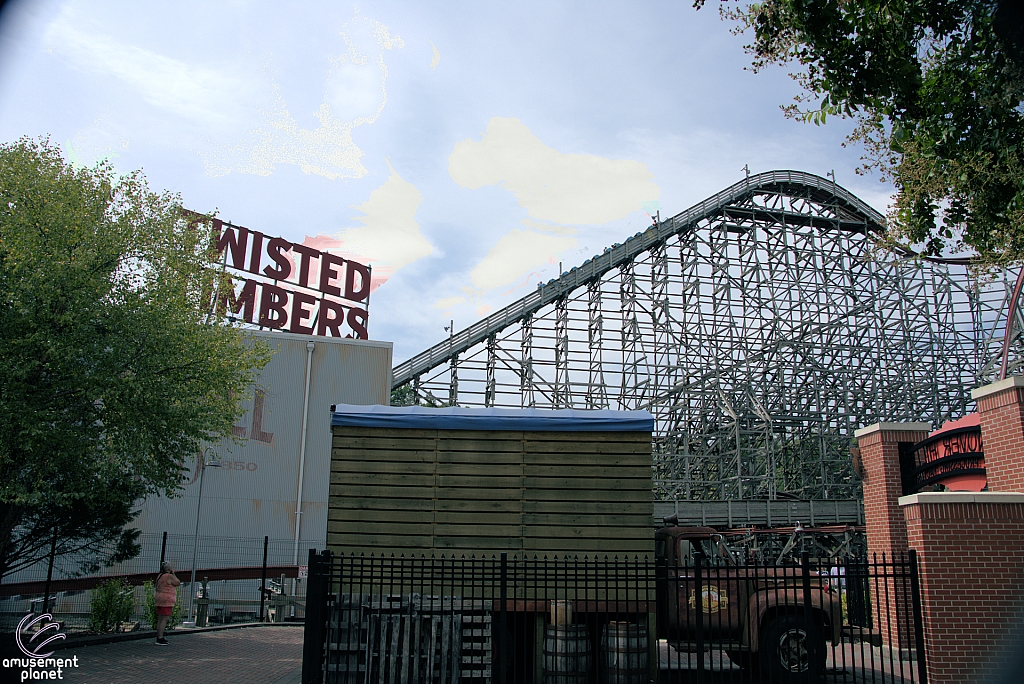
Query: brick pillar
883, 483
880, 445
970, 548
1001, 406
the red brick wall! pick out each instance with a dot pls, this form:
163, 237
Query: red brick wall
886, 529
1002, 432
971, 560
883, 486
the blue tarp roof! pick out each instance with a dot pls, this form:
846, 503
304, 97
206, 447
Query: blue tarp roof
458, 418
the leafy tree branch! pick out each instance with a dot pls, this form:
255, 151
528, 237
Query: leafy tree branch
112, 375
937, 91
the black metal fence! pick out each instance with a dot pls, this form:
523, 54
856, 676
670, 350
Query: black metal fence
224, 592
610, 621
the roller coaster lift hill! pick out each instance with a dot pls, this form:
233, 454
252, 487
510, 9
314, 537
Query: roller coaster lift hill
760, 328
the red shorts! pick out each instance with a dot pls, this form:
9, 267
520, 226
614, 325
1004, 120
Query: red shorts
164, 610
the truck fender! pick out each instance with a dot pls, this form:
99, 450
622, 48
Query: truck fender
791, 600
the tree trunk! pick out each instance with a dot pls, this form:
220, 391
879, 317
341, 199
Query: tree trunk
10, 515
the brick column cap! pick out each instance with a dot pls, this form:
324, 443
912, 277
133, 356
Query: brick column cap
998, 386
892, 427
962, 498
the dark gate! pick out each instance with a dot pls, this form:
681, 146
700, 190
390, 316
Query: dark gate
611, 621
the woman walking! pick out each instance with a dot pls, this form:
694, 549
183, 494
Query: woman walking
166, 590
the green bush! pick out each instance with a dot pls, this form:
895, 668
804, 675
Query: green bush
112, 603
150, 592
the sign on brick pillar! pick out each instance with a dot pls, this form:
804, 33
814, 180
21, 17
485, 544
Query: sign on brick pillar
1001, 406
970, 550
882, 447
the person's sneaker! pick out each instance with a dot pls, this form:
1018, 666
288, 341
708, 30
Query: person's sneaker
162, 642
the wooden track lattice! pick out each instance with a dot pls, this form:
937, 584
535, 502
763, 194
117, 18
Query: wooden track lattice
761, 327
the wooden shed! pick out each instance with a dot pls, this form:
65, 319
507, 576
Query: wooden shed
532, 482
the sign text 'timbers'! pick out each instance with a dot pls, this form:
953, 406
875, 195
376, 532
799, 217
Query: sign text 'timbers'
296, 288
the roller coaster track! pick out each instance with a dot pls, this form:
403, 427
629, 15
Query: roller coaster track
760, 327
857, 217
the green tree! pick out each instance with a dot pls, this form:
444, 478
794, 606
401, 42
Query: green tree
90, 527
112, 373
404, 396
936, 88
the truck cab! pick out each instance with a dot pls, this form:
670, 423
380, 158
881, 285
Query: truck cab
707, 595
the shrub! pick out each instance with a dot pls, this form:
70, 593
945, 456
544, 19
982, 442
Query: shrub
150, 599
112, 603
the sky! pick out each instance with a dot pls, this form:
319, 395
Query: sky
462, 149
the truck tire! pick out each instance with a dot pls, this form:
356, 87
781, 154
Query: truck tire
745, 660
788, 645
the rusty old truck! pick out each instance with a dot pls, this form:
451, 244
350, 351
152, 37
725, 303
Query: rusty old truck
774, 619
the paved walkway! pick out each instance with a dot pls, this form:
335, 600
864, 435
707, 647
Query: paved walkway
253, 655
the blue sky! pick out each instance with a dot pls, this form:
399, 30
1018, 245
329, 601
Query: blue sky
464, 149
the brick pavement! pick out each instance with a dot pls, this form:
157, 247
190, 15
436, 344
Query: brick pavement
254, 655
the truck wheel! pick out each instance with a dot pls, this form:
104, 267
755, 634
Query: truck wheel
787, 646
745, 660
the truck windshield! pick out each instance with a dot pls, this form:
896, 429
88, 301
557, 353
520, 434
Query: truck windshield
687, 548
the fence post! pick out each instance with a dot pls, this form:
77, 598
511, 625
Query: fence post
653, 651
314, 628
49, 572
163, 549
812, 635
661, 588
858, 584
698, 602
263, 578
915, 598
502, 617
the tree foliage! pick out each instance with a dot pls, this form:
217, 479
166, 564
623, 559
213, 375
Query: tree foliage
936, 87
404, 396
90, 527
111, 372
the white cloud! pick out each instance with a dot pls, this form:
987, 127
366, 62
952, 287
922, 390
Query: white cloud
436, 58
224, 100
327, 150
354, 95
549, 227
571, 189
515, 253
186, 90
390, 234
96, 142
449, 302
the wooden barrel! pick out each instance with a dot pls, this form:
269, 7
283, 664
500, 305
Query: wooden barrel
566, 654
624, 653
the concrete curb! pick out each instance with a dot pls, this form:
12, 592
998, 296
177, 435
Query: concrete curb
98, 639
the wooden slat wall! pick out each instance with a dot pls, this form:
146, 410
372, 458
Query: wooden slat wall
587, 493
480, 493
382, 490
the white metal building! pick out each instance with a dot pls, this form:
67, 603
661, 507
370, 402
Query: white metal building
286, 433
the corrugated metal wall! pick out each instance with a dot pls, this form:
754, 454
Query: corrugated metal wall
253, 493
466, 492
